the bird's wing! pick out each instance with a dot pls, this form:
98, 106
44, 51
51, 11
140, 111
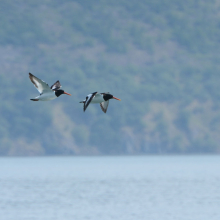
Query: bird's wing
39, 84
104, 106
56, 85
88, 100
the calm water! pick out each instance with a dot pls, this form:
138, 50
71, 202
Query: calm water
104, 188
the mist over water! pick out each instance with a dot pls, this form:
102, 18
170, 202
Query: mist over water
119, 188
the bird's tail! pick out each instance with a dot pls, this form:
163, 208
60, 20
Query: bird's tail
34, 99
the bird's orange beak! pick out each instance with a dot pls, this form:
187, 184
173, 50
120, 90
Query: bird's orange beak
116, 98
66, 93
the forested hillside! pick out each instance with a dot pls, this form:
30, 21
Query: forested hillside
161, 58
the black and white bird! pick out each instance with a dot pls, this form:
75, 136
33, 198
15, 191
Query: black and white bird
102, 98
46, 93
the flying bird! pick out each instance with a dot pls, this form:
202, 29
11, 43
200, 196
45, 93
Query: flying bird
46, 93
102, 98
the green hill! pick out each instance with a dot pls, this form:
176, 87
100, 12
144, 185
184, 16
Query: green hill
160, 57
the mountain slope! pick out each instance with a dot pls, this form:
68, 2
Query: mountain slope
160, 57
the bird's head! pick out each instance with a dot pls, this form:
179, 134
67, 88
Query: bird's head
106, 97
60, 92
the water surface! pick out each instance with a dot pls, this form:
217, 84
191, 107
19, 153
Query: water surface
104, 188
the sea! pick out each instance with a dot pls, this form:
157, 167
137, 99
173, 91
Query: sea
110, 188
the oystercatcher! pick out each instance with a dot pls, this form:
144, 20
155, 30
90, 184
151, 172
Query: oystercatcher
102, 98
46, 93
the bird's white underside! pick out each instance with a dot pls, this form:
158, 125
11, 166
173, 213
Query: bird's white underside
47, 96
98, 98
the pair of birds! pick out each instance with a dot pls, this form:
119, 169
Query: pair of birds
49, 93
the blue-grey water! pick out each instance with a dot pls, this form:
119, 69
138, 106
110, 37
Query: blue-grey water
104, 188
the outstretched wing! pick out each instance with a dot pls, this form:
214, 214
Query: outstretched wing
104, 106
39, 84
88, 100
56, 85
